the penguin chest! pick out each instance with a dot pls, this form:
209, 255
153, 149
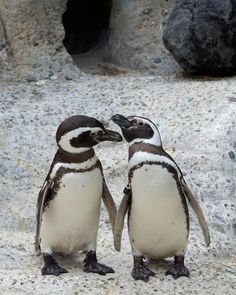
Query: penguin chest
157, 223
70, 222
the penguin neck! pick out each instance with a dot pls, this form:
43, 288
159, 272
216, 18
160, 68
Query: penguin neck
79, 157
144, 147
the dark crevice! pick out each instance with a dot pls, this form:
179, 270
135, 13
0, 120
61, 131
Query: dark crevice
86, 22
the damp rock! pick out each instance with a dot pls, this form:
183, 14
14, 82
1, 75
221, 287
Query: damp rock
201, 36
153, 66
231, 155
30, 78
157, 60
234, 227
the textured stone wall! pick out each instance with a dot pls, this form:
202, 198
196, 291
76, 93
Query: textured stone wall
31, 35
4, 47
136, 35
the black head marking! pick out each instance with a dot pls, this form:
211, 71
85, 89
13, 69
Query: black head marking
75, 122
135, 127
139, 129
83, 132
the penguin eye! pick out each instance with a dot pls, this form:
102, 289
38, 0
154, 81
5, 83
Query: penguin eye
140, 124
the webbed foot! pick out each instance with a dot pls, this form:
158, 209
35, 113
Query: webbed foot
178, 269
51, 267
91, 265
140, 271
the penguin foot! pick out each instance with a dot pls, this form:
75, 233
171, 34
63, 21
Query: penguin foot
178, 269
51, 267
99, 268
91, 265
140, 271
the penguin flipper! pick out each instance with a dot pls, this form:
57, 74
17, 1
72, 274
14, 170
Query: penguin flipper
110, 205
198, 211
43, 195
119, 225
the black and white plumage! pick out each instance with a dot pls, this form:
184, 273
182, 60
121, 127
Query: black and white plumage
68, 208
158, 219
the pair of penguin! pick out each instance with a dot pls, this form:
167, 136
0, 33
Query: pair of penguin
68, 207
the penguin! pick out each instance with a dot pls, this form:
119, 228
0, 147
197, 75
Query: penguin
156, 201
68, 207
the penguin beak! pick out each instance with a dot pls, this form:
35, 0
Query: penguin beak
108, 135
122, 121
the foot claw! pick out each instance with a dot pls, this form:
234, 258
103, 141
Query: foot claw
91, 265
99, 268
178, 271
141, 272
53, 269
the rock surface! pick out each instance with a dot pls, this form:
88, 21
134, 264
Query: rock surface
136, 35
196, 119
32, 34
201, 35
4, 48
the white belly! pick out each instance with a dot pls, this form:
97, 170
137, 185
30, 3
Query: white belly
71, 220
157, 223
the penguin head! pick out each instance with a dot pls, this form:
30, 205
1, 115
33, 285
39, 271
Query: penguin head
79, 133
136, 129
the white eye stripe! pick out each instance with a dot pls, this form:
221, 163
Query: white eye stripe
154, 140
146, 121
64, 141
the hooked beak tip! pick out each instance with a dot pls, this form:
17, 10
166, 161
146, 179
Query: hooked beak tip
114, 136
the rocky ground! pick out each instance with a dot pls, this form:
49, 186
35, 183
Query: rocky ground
196, 118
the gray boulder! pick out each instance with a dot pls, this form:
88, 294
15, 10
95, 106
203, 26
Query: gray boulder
201, 35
